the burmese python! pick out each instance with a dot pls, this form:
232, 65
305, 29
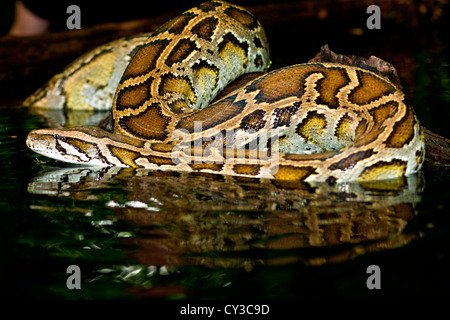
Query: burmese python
330, 122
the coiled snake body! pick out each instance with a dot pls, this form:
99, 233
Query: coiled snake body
328, 121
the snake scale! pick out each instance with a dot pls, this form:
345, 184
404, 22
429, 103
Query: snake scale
306, 122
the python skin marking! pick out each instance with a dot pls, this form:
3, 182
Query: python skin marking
330, 121
90, 82
184, 65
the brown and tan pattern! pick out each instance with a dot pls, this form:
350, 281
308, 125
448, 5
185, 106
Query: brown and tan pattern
90, 82
329, 122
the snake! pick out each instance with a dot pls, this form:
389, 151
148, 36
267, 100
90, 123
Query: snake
307, 122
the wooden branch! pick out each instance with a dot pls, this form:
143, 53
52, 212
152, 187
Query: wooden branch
437, 153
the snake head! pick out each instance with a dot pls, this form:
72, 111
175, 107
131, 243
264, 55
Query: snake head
63, 144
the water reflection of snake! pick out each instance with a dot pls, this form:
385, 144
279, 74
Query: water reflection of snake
221, 221
331, 122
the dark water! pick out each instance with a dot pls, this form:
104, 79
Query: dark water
152, 235
140, 234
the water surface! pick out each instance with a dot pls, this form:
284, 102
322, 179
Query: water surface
154, 235
138, 233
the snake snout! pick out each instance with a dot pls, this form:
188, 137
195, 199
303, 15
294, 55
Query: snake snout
40, 141
49, 143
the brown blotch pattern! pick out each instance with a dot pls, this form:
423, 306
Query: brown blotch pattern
205, 28
82, 146
206, 166
209, 6
383, 112
177, 106
243, 17
133, 96
230, 42
312, 126
150, 124
177, 25
253, 121
89, 149
162, 147
177, 84
247, 169
361, 129
258, 61
369, 137
283, 115
343, 129
370, 88
182, 49
214, 114
352, 160
204, 64
420, 157
258, 43
384, 169
125, 156
403, 131
294, 173
334, 79
160, 160
145, 59
206, 74
279, 84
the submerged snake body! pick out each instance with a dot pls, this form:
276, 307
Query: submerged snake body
329, 121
